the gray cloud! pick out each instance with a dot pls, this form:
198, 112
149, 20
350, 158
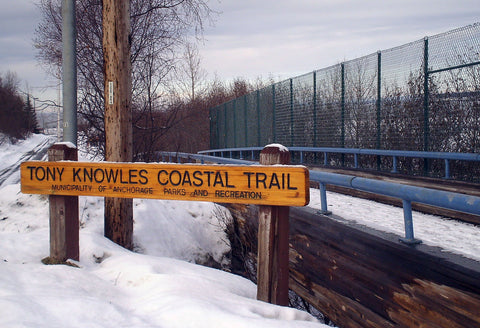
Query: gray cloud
282, 38
286, 38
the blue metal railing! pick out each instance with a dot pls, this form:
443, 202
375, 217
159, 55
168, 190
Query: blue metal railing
407, 193
356, 152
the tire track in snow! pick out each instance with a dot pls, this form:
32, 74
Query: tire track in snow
11, 174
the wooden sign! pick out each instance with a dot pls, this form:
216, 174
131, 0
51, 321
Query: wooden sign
282, 185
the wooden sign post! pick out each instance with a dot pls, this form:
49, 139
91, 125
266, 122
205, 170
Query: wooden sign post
273, 232
64, 223
273, 187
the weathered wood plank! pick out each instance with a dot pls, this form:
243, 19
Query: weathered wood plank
64, 221
267, 184
117, 72
273, 233
359, 277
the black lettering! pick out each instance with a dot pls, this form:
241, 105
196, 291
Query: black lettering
226, 181
76, 175
260, 178
197, 180
112, 175
121, 178
248, 174
179, 178
96, 175
218, 179
143, 178
31, 168
87, 175
60, 172
50, 173
131, 176
288, 183
274, 181
174, 191
208, 173
199, 192
186, 179
160, 181
42, 170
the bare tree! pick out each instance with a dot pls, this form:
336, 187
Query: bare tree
158, 30
191, 75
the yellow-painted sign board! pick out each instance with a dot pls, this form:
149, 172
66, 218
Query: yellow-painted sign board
282, 185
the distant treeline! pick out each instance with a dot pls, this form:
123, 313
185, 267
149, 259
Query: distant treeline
17, 115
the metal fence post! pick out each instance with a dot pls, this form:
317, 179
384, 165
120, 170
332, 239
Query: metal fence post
426, 126
379, 103
225, 126
315, 113
291, 114
235, 122
343, 110
258, 120
245, 120
273, 114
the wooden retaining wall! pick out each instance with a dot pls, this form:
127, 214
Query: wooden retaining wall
359, 277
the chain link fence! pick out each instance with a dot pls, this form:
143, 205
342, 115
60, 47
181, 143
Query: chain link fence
423, 96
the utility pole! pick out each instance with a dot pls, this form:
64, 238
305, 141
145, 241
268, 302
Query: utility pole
118, 116
69, 71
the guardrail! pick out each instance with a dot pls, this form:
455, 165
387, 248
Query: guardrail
356, 152
408, 194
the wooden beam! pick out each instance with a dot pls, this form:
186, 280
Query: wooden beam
118, 114
64, 223
273, 231
257, 184
360, 277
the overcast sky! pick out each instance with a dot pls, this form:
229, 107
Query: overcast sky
263, 38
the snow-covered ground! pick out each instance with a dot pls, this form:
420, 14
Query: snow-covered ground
450, 235
158, 285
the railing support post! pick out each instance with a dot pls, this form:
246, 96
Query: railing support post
395, 163
447, 169
323, 199
407, 217
273, 246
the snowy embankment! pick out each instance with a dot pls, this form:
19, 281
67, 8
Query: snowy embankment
157, 286
450, 235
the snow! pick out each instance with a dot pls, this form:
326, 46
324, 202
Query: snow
281, 148
157, 285
11, 155
68, 144
450, 235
